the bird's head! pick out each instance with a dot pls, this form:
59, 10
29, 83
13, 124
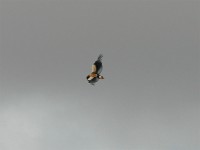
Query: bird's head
100, 77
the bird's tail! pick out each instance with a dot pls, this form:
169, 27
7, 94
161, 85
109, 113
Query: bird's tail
100, 57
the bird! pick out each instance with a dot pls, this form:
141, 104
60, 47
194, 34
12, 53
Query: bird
97, 68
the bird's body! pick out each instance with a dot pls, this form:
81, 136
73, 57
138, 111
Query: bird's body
97, 68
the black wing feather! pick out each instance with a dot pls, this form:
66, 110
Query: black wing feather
98, 64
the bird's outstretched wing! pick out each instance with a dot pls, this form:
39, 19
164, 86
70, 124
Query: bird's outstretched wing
100, 57
98, 64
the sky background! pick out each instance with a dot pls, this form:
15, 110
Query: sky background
149, 99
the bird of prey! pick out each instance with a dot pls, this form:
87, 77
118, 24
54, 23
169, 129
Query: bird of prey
97, 67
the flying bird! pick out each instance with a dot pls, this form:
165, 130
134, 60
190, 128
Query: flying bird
97, 68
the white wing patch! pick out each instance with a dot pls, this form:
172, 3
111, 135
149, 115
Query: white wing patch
94, 69
90, 78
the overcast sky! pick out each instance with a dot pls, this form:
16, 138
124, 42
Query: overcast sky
149, 99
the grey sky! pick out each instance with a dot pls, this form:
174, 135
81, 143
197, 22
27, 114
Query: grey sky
149, 99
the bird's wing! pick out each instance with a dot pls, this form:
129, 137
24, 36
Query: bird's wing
99, 66
94, 68
100, 57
